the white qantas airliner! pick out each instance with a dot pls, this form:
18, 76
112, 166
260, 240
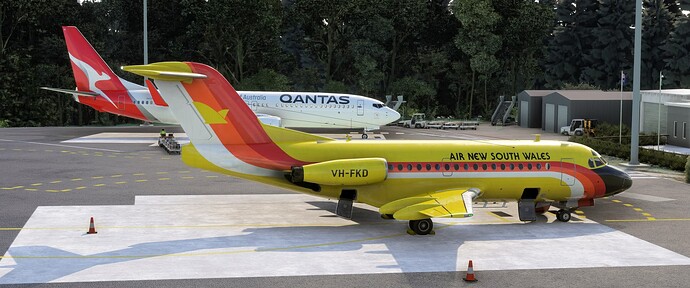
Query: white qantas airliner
100, 88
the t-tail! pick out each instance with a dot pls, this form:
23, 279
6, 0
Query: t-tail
219, 122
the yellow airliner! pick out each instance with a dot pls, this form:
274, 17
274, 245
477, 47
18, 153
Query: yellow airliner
406, 179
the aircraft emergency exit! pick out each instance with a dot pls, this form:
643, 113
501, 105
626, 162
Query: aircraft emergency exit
100, 88
406, 179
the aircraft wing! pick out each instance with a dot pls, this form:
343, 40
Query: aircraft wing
454, 203
72, 92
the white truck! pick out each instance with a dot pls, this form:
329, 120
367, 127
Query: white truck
417, 121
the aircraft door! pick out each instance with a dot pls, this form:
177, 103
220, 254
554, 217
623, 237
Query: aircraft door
447, 167
360, 107
567, 165
121, 102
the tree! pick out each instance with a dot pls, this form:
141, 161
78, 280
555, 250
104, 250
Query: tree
240, 36
611, 49
657, 23
476, 39
677, 54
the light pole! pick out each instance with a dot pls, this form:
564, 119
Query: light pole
658, 123
620, 123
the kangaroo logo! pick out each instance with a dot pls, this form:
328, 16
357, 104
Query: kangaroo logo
92, 76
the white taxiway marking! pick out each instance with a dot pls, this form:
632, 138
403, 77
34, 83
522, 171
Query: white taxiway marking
644, 197
58, 145
181, 237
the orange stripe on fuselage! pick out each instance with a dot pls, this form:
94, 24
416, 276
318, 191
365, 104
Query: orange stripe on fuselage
242, 135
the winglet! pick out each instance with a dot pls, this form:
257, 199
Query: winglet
167, 71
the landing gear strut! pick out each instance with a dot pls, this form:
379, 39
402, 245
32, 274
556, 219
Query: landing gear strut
364, 134
422, 227
563, 215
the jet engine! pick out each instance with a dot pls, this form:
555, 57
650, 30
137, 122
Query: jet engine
361, 171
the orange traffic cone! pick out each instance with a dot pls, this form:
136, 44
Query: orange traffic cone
92, 228
470, 273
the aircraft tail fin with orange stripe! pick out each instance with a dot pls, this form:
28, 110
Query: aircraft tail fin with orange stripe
208, 107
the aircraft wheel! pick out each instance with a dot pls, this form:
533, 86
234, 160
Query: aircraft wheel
422, 227
365, 136
563, 215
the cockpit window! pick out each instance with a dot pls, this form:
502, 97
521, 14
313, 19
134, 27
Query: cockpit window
376, 105
596, 162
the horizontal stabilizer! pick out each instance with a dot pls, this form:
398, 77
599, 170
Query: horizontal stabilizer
167, 71
72, 92
456, 203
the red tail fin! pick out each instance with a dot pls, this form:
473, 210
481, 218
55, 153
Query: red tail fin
88, 67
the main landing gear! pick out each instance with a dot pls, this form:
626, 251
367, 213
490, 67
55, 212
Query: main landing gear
364, 134
563, 215
422, 227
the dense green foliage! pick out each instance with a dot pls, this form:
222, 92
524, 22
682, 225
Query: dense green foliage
446, 59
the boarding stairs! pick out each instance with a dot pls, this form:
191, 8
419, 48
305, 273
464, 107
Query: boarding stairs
502, 112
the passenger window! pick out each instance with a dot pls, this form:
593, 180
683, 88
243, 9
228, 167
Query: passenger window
456, 166
512, 166
428, 167
447, 167
529, 166
419, 167
467, 167
484, 167
520, 166
390, 167
503, 166
409, 167
437, 166
548, 166
538, 166
476, 167
400, 167
493, 166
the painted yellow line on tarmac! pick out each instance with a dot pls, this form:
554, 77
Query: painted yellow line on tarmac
37, 184
184, 171
17, 187
116, 176
7, 188
141, 180
65, 190
97, 177
163, 179
616, 201
30, 189
121, 182
211, 176
98, 185
55, 182
187, 177
80, 187
646, 214
159, 173
76, 179
52, 190
638, 209
628, 205
138, 174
